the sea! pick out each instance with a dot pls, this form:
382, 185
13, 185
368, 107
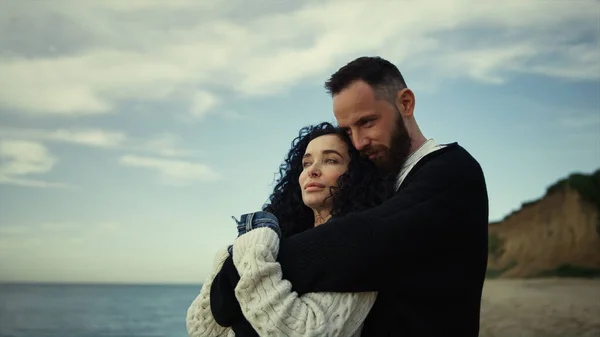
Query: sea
66, 310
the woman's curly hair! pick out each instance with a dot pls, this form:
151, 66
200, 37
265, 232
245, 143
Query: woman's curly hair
361, 187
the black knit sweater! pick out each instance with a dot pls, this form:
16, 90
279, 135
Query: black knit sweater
424, 251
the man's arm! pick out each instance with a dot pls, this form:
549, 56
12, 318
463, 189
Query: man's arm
223, 303
199, 320
356, 252
225, 309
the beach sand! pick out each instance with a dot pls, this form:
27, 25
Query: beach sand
541, 308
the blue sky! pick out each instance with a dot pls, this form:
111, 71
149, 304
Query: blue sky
131, 132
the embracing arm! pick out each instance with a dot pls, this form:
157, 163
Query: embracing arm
273, 309
200, 321
445, 200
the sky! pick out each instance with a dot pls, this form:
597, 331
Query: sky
131, 132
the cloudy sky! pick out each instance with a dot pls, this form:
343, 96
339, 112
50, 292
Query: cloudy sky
131, 132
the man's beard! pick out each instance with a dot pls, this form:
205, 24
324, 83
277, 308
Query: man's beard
393, 158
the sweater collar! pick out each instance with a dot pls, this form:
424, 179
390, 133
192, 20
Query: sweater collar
426, 148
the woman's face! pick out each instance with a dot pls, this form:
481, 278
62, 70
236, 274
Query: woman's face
325, 160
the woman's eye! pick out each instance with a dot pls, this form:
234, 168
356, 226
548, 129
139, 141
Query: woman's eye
332, 161
306, 164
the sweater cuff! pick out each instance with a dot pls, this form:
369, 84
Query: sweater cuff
265, 238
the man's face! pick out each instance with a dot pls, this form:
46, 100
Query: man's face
375, 126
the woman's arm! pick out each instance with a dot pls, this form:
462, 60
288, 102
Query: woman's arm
273, 309
200, 321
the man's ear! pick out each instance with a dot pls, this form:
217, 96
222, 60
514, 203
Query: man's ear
405, 102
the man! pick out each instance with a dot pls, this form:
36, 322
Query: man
424, 250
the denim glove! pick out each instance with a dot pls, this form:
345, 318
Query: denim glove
250, 221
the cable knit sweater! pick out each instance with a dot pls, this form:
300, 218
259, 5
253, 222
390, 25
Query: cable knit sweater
268, 302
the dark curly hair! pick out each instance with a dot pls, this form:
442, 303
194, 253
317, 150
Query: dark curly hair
361, 187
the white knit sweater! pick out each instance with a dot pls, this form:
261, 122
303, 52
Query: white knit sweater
268, 302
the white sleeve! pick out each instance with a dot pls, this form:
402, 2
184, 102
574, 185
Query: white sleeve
273, 309
200, 321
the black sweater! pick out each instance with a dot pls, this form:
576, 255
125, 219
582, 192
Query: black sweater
424, 250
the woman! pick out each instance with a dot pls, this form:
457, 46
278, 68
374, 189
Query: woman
323, 176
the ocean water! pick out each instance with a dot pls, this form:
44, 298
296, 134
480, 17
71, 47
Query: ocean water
28, 310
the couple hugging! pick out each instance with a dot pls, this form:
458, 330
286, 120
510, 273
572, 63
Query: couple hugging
371, 230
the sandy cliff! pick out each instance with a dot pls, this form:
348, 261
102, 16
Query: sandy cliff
558, 234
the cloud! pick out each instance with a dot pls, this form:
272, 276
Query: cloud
581, 120
172, 171
23, 154
202, 103
25, 235
89, 57
165, 144
88, 137
168, 145
41, 229
20, 159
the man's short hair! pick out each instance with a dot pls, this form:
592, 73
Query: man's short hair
384, 77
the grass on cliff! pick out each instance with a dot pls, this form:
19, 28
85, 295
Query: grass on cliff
495, 245
569, 270
587, 185
495, 273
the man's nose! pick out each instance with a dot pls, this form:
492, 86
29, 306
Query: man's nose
360, 142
